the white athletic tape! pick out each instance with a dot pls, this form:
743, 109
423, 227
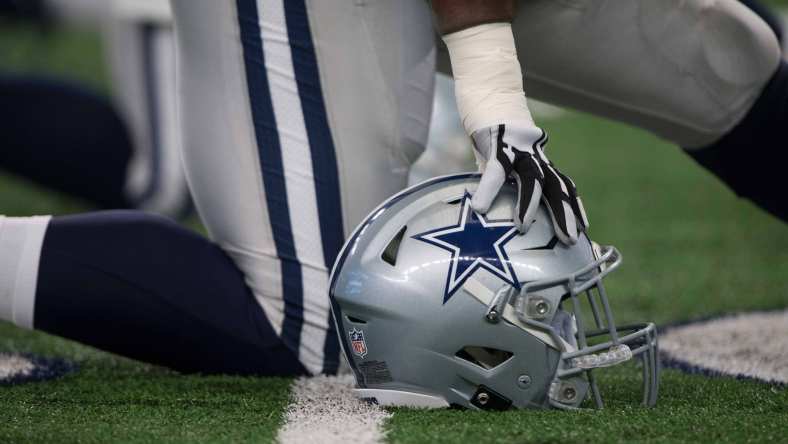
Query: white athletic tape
752, 344
488, 81
323, 409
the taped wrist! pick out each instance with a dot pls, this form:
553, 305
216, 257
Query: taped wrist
488, 81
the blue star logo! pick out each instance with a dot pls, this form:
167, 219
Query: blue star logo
474, 243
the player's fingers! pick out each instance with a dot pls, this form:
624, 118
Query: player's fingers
529, 192
575, 201
581, 210
564, 222
529, 195
491, 182
556, 195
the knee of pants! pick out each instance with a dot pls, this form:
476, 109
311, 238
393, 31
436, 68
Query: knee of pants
730, 57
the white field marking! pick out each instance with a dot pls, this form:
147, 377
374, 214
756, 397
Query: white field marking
750, 344
14, 365
323, 409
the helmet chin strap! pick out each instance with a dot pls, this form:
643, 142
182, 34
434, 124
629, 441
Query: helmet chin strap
565, 324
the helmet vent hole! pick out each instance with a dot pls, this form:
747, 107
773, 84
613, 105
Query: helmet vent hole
484, 357
390, 253
355, 320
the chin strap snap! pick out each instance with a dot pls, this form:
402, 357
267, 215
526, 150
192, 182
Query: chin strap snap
488, 399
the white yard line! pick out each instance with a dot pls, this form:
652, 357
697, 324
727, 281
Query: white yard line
14, 365
323, 409
748, 344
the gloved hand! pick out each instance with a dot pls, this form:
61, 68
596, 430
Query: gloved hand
516, 151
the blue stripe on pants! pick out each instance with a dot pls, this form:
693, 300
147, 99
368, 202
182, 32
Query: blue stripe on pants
321, 144
271, 165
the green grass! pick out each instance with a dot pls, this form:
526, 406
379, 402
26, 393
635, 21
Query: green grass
692, 409
132, 403
691, 249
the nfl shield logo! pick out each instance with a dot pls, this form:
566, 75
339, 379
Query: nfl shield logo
358, 343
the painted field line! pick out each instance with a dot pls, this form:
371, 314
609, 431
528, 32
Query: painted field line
753, 345
12, 366
323, 409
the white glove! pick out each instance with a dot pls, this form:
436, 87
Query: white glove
517, 151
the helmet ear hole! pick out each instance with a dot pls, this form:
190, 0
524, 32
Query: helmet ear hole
484, 357
389, 254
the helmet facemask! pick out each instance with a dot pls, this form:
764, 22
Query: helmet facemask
538, 308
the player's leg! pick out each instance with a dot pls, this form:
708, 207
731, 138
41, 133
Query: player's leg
768, 15
64, 136
706, 75
298, 119
141, 52
30, 10
140, 286
140, 49
686, 70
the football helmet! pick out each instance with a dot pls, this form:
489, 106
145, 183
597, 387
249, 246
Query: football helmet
437, 306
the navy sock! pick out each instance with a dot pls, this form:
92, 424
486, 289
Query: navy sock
751, 158
144, 287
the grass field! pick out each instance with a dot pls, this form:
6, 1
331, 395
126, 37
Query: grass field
691, 248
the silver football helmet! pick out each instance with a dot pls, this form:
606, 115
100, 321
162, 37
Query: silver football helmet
436, 305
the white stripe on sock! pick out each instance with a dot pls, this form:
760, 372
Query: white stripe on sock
21, 239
